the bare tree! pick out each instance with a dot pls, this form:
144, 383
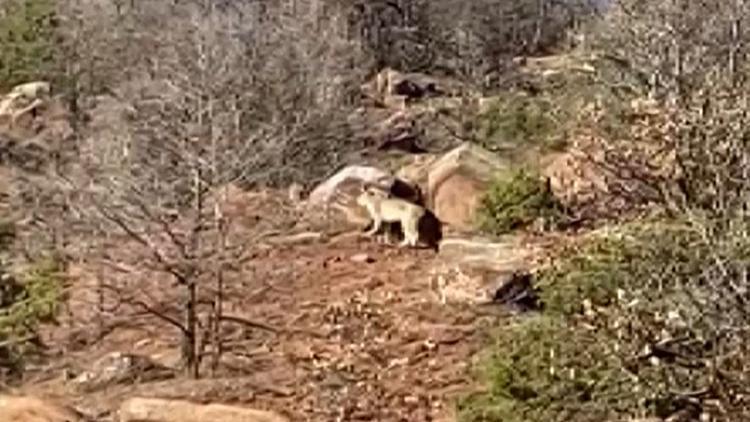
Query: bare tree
235, 94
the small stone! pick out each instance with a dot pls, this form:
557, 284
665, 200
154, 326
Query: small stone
362, 258
411, 399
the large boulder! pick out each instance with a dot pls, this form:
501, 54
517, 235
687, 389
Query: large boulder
32, 123
453, 183
477, 270
347, 180
33, 409
158, 410
457, 181
340, 190
418, 170
505, 254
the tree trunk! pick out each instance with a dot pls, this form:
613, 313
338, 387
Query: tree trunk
189, 346
189, 357
219, 298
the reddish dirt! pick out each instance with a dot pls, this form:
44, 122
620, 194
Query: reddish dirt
354, 341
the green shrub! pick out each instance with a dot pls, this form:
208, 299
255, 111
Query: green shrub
27, 41
39, 298
635, 257
546, 369
668, 304
550, 108
516, 200
26, 303
517, 120
557, 366
594, 272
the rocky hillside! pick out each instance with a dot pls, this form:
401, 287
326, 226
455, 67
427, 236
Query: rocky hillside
186, 190
319, 323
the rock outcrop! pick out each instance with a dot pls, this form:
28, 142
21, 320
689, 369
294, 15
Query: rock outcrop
391, 88
158, 410
33, 409
418, 171
455, 182
451, 185
477, 270
597, 177
340, 190
458, 180
347, 179
32, 123
400, 131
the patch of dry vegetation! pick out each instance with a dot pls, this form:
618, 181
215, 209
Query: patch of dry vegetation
648, 319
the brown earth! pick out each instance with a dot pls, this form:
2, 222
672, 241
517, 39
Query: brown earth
349, 340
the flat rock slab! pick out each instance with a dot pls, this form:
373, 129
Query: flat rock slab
158, 410
471, 270
33, 409
502, 255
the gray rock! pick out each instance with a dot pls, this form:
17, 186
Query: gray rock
325, 192
121, 368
